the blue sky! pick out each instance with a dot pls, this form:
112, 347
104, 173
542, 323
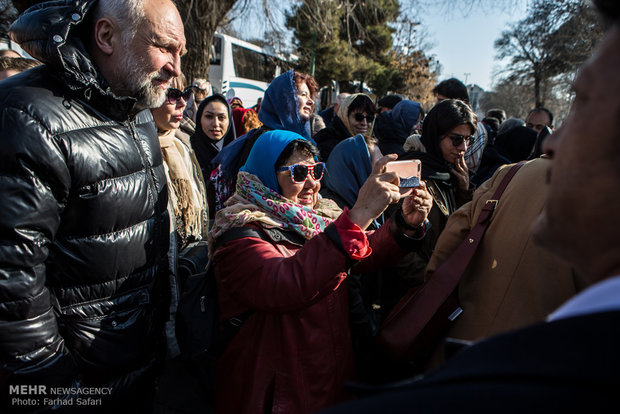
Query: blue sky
461, 41
464, 44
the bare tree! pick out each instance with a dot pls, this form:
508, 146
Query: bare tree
7, 15
556, 37
201, 18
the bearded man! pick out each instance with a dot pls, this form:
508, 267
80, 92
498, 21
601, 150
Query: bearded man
84, 230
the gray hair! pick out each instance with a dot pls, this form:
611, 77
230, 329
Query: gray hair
128, 14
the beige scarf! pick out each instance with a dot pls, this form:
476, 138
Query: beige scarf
184, 192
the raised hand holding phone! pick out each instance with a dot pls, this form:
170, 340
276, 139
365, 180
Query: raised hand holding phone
409, 172
380, 190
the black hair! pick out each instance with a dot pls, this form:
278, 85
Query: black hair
499, 114
198, 132
299, 145
610, 9
443, 118
492, 122
452, 89
541, 109
364, 103
389, 101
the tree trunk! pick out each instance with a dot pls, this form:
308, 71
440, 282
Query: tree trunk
537, 95
201, 18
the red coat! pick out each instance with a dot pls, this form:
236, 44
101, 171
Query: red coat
293, 354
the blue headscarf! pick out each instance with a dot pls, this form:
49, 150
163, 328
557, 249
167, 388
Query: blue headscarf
279, 107
348, 167
265, 152
405, 114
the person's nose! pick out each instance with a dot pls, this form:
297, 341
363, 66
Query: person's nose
551, 142
174, 65
310, 181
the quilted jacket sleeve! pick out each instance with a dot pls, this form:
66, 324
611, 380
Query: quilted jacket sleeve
34, 183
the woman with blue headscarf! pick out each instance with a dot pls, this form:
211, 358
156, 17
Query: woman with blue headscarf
293, 352
393, 128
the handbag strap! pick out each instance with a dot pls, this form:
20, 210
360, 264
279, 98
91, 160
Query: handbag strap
452, 269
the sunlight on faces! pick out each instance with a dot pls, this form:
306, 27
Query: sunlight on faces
214, 120
139, 83
305, 104
306, 193
361, 125
449, 152
151, 56
169, 116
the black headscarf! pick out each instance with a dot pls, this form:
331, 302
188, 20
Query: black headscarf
444, 117
516, 144
205, 148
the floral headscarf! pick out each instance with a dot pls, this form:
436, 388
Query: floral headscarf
257, 198
254, 202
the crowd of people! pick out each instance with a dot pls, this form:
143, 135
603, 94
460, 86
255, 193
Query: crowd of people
114, 167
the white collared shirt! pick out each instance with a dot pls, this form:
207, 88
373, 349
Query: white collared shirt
603, 296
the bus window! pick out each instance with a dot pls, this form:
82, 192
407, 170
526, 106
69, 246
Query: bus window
253, 65
216, 51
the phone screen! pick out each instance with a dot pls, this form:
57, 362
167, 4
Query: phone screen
408, 171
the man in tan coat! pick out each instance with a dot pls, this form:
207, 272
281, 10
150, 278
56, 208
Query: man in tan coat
570, 363
510, 282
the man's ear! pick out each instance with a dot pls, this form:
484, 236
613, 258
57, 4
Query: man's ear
105, 35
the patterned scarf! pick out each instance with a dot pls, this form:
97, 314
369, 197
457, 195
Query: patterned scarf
254, 202
183, 187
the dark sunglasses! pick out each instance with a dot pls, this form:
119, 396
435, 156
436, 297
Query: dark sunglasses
457, 139
360, 117
173, 95
299, 172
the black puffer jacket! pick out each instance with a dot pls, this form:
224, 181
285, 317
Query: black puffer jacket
84, 228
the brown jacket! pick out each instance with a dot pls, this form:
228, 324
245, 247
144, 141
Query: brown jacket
510, 281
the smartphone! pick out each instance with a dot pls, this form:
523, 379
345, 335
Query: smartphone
409, 172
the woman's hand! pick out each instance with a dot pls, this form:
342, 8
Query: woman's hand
461, 172
417, 206
379, 191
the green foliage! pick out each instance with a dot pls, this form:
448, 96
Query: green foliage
346, 40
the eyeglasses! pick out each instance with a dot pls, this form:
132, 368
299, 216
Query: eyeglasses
299, 172
173, 95
360, 117
457, 139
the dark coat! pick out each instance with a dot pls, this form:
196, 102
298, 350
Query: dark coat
567, 366
327, 138
84, 230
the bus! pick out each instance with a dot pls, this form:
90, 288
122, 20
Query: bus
242, 69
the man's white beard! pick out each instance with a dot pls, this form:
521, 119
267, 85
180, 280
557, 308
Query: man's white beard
139, 85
